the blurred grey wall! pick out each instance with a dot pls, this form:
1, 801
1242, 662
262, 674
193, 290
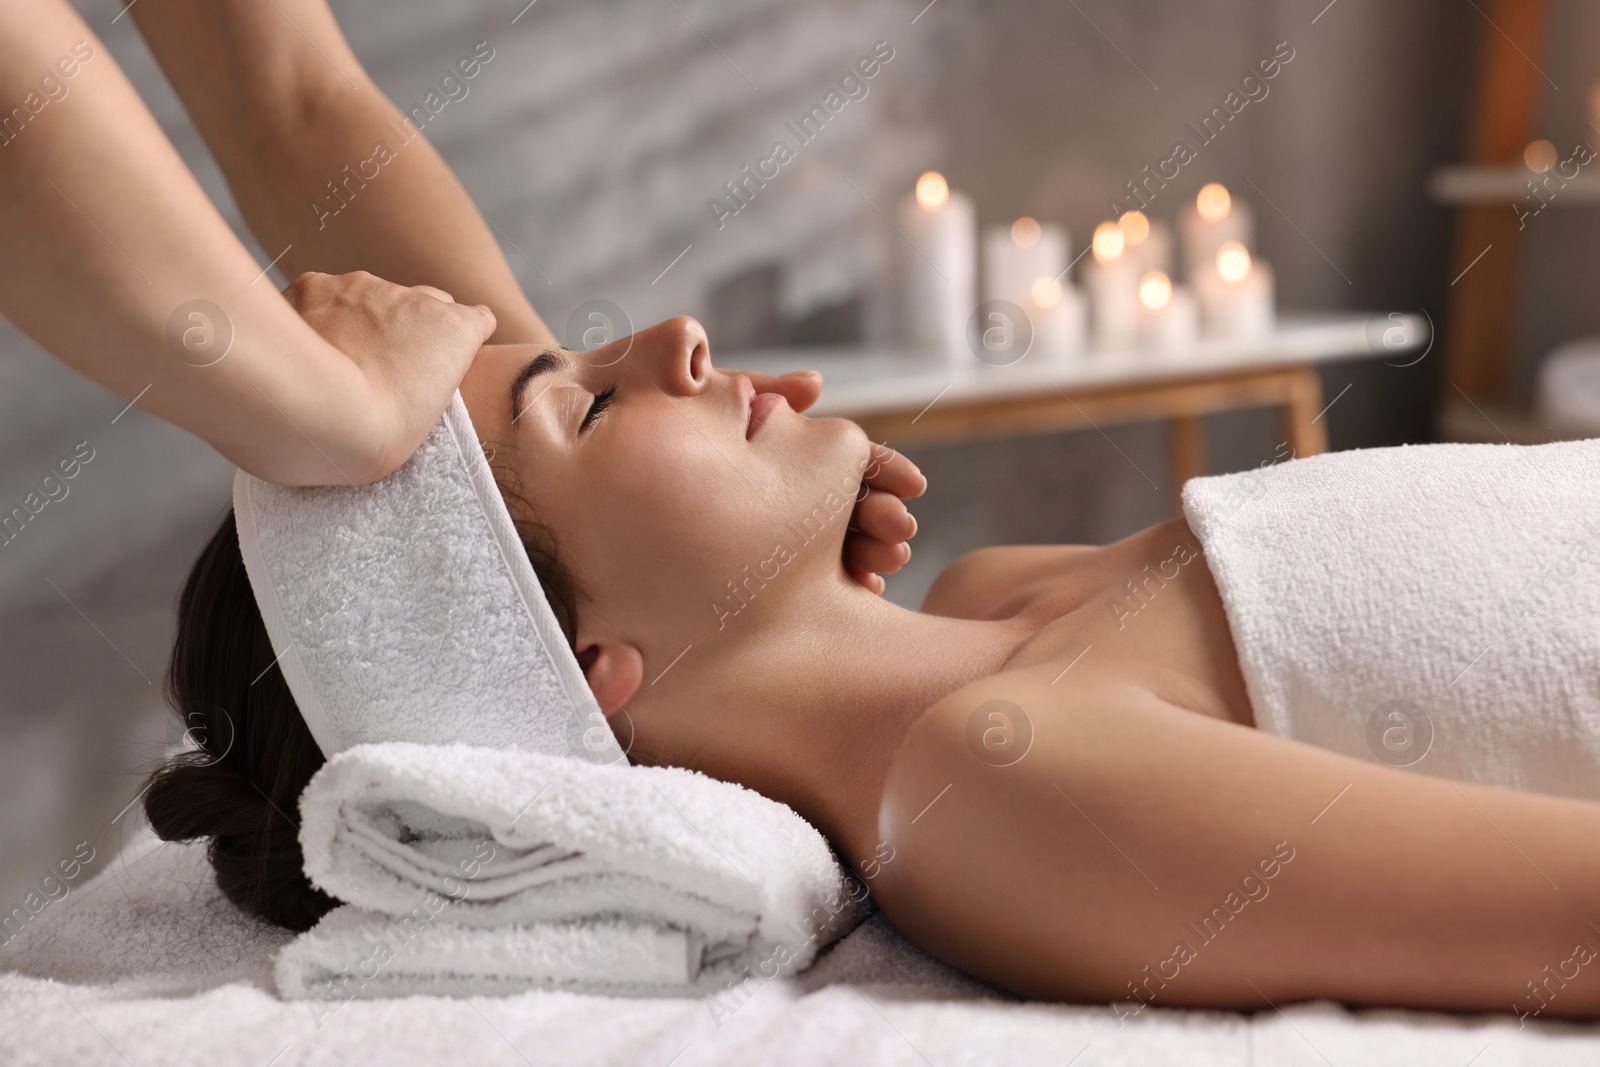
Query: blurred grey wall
594, 139
1559, 267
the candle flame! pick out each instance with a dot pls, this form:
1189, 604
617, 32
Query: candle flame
932, 190
1233, 262
1213, 203
1046, 292
1135, 227
1025, 232
1155, 290
1109, 242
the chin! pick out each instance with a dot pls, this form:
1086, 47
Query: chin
802, 526
831, 475
841, 447
824, 454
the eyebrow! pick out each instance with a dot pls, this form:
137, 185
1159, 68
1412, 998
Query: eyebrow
544, 362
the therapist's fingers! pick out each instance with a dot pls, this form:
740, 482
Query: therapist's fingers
437, 294
883, 516
800, 387
475, 317
872, 582
416, 340
875, 542
891, 472
869, 555
411, 346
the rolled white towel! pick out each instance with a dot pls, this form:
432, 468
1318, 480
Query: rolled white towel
610, 877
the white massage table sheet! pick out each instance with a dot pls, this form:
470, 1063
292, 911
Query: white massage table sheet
148, 964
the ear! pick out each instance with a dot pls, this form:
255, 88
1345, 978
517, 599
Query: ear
615, 671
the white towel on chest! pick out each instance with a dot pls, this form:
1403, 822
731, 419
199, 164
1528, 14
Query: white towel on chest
1435, 607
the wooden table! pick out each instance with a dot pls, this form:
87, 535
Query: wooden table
904, 399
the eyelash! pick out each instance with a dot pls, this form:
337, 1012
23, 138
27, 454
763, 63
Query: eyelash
602, 400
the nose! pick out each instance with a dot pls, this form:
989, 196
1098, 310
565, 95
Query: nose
678, 356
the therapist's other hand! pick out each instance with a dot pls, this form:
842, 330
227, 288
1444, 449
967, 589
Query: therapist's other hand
881, 524
412, 344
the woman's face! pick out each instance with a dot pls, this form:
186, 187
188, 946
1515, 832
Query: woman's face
636, 455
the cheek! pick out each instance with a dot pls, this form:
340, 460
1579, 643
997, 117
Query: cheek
708, 500
674, 480
659, 511
668, 514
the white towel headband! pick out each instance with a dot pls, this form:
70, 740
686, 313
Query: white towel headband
407, 610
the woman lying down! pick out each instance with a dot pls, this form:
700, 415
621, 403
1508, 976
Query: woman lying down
1062, 774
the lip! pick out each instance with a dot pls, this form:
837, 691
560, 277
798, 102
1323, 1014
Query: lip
761, 410
747, 399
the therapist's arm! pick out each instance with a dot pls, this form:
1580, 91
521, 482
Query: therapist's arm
106, 239
287, 110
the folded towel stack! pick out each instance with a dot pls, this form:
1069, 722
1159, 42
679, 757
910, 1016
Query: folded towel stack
478, 870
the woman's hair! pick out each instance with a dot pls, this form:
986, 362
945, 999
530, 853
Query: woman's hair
241, 787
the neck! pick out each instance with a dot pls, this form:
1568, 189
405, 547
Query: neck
809, 707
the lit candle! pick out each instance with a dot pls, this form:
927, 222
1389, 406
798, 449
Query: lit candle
1540, 156
1168, 315
1213, 220
1060, 317
1236, 298
938, 290
1149, 241
1113, 283
1015, 256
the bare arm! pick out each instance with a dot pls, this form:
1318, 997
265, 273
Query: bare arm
106, 235
286, 109
1141, 853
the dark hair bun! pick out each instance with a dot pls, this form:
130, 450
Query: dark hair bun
255, 849
241, 787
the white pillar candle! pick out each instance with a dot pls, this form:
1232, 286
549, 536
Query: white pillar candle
937, 282
1236, 295
1113, 284
1060, 317
1149, 242
1168, 315
1017, 256
1213, 220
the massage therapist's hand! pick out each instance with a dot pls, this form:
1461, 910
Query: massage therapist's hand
412, 344
881, 524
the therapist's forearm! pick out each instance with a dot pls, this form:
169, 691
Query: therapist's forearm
286, 109
104, 235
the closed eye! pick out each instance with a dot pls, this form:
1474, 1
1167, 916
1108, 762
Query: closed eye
602, 400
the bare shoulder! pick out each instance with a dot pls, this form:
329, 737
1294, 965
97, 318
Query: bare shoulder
977, 584
987, 726
956, 816
997, 703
